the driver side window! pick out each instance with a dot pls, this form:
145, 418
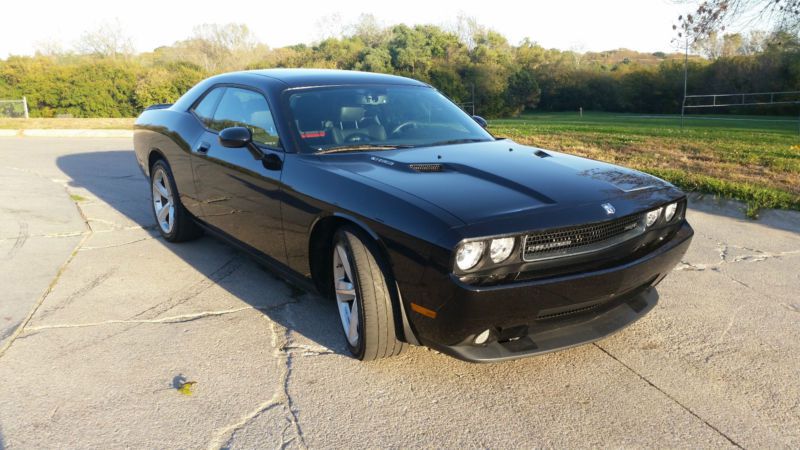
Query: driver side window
245, 108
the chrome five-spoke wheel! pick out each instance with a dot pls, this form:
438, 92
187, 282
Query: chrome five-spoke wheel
363, 298
346, 296
163, 201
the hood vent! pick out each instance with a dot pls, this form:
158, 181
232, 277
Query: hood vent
426, 167
541, 154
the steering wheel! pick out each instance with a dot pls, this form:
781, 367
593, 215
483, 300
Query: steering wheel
404, 126
357, 137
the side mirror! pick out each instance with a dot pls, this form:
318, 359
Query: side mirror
481, 121
235, 137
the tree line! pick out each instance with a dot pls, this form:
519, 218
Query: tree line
102, 77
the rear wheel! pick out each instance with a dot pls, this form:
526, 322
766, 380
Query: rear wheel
174, 223
363, 297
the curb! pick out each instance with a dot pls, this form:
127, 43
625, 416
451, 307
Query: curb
82, 133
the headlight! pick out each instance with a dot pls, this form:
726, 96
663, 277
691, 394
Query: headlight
500, 249
652, 217
669, 211
469, 254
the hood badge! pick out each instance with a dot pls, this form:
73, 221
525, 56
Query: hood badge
381, 160
609, 208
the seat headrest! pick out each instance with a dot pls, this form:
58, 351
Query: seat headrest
260, 119
351, 114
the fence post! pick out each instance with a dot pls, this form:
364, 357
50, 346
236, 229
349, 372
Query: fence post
473, 98
25, 106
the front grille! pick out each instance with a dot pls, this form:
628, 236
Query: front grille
580, 239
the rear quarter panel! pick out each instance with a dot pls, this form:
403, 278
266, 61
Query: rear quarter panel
170, 134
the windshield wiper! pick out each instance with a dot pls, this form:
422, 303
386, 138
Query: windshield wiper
456, 141
361, 148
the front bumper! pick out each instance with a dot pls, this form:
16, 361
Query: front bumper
540, 316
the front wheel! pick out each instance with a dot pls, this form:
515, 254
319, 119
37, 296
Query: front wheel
363, 297
174, 223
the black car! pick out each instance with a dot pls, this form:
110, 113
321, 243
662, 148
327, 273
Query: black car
382, 194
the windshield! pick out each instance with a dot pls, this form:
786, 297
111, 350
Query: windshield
348, 118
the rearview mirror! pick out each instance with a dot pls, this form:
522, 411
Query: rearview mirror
235, 137
481, 121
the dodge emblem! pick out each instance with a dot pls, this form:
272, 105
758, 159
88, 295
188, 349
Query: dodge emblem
609, 208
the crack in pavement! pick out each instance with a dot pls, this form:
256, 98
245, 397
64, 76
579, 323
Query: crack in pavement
88, 287
666, 394
89, 232
176, 298
196, 288
182, 318
81, 233
724, 250
172, 319
101, 247
281, 343
16, 334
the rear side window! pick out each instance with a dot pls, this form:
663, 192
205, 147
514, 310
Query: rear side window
246, 108
205, 109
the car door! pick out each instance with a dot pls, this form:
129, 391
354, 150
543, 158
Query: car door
238, 192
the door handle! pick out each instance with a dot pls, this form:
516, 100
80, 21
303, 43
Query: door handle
203, 147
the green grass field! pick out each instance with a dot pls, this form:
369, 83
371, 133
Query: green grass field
754, 160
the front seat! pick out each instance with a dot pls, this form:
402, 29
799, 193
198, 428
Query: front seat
354, 127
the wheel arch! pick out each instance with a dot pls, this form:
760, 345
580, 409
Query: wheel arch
154, 155
319, 254
319, 245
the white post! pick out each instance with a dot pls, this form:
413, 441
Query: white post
581, 111
25, 106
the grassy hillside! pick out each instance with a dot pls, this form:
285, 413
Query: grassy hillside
754, 160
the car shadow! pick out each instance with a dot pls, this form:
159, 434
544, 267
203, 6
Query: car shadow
114, 178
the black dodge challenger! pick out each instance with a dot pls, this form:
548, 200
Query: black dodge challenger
382, 194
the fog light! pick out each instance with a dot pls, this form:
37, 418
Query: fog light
669, 211
482, 338
652, 217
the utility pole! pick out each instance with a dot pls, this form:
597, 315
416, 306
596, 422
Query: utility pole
685, 78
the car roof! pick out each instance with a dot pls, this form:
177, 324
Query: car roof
327, 77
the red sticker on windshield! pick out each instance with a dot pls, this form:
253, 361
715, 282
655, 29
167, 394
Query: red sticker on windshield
312, 134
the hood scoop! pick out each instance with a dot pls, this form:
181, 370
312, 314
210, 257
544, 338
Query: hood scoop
541, 154
426, 167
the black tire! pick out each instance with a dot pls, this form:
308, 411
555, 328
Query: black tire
378, 338
183, 227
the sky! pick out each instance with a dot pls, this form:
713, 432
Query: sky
584, 25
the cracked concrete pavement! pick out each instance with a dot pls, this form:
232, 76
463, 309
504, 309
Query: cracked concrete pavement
99, 317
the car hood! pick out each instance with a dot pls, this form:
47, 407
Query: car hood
501, 179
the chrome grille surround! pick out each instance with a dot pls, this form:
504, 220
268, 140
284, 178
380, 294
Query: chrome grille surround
580, 239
